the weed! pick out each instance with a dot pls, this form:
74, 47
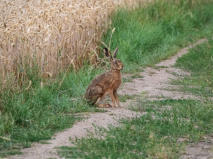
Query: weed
126, 97
136, 75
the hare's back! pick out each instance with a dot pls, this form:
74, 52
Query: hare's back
98, 86
102, 80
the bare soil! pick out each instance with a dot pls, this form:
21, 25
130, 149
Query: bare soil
201, 150
79, 130
154, 83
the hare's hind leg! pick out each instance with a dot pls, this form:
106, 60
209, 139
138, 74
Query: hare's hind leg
102, 105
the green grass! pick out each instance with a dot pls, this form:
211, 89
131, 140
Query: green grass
126, 97
36, 114
153, 135
144, 37
199, 62
157, 134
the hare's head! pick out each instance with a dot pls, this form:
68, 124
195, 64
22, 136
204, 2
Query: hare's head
116, 64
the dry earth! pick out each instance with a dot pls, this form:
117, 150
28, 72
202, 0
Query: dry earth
79, 130
201, 150
155, 82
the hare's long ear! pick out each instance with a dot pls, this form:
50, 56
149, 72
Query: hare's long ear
115, 53
107, 53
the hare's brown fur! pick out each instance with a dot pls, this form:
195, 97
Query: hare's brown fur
106, 83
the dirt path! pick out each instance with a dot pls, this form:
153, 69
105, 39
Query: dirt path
155, 82
201, 150
79, 130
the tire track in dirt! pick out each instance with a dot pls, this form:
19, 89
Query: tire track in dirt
154, 82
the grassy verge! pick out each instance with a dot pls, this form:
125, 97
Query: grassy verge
200, 64
36, 114
154, 135
143, 36
168, 125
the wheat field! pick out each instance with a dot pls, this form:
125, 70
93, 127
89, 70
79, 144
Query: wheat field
52, 35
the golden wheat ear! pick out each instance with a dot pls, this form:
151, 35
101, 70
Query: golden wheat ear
115, 53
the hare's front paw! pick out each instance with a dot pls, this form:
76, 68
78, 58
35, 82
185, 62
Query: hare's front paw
105, 106
118, 104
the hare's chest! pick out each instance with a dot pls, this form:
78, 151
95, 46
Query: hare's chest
116, 84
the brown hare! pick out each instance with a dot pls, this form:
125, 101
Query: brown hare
106, 83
